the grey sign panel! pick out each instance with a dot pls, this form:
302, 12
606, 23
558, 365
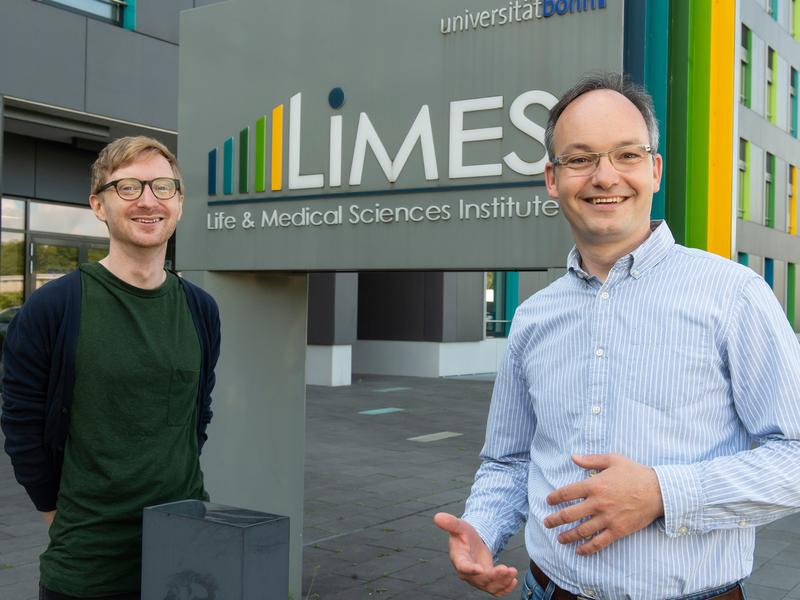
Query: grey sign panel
378, 135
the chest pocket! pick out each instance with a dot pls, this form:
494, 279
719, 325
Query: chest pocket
182, 398
670, 373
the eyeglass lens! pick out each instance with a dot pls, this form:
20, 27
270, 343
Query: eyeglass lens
163, 188
624, 158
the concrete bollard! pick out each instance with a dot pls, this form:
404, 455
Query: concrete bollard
193, 550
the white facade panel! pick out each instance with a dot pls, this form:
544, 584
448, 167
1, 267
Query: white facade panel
781, 193
758, 75
756, 263
427, 359
757, 166
781, 82
784, 14
330, 366
779, 282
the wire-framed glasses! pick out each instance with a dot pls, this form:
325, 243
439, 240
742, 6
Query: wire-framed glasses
624, 158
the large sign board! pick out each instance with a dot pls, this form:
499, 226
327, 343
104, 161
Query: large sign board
373, 134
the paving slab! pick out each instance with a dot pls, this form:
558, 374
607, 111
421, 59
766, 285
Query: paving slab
371, 495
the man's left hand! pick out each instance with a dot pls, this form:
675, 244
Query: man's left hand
621, 497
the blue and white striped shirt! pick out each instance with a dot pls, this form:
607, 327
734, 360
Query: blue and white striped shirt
680, 360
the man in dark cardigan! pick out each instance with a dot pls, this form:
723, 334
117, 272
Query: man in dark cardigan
107, 385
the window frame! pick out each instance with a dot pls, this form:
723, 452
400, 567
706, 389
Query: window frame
118, 5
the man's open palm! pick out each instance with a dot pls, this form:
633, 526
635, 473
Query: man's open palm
473, 560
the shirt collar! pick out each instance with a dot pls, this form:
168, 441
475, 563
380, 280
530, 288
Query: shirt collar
647, 255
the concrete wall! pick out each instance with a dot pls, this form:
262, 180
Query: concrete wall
428, 359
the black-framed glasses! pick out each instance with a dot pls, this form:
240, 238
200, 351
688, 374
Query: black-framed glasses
130, 188
624, 158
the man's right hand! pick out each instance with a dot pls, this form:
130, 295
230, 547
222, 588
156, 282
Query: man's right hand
473, 560
49, 516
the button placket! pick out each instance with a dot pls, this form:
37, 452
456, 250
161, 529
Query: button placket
597, 390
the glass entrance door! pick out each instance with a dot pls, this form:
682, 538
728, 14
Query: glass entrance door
50, 259
53, 256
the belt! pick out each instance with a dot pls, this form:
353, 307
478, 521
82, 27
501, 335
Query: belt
561, 594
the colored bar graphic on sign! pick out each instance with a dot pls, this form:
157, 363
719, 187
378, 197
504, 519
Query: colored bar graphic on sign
244, 154
227, 166
212, 172
277, 148
261, 154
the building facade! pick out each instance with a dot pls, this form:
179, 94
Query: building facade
768, 149
75, 75
723, 74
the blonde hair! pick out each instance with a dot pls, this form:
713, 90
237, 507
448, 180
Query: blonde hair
124, 151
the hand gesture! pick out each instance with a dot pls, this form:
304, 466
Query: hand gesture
473, 560
621, 498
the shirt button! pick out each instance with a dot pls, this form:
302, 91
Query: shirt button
593, 472
742, 523
596, 410
599, 352
580, 275
634, 273
683, 530
588, 591
604, 295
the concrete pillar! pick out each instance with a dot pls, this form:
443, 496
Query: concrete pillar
256, 441
332, 318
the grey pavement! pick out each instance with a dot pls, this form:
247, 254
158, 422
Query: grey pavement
371, 493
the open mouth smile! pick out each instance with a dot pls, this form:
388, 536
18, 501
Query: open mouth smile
607, 200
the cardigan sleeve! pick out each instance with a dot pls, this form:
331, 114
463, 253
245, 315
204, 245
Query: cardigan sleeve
27, 358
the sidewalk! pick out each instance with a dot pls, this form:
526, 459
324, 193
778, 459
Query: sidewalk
371, 493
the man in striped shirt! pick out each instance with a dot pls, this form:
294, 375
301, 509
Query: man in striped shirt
647, 415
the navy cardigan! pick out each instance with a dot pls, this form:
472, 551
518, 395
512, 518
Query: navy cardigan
39, 360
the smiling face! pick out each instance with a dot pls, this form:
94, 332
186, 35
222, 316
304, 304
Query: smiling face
146, 223
605, 207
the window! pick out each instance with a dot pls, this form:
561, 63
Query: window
770, 85
70, 220
769, 191
501, 301
745, 76
111, 10
743, 202
41, 241
791, 205
769, 272
12, 253
793, 102
772, 9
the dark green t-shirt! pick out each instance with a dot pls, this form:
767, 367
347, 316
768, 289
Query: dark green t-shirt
132, 439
